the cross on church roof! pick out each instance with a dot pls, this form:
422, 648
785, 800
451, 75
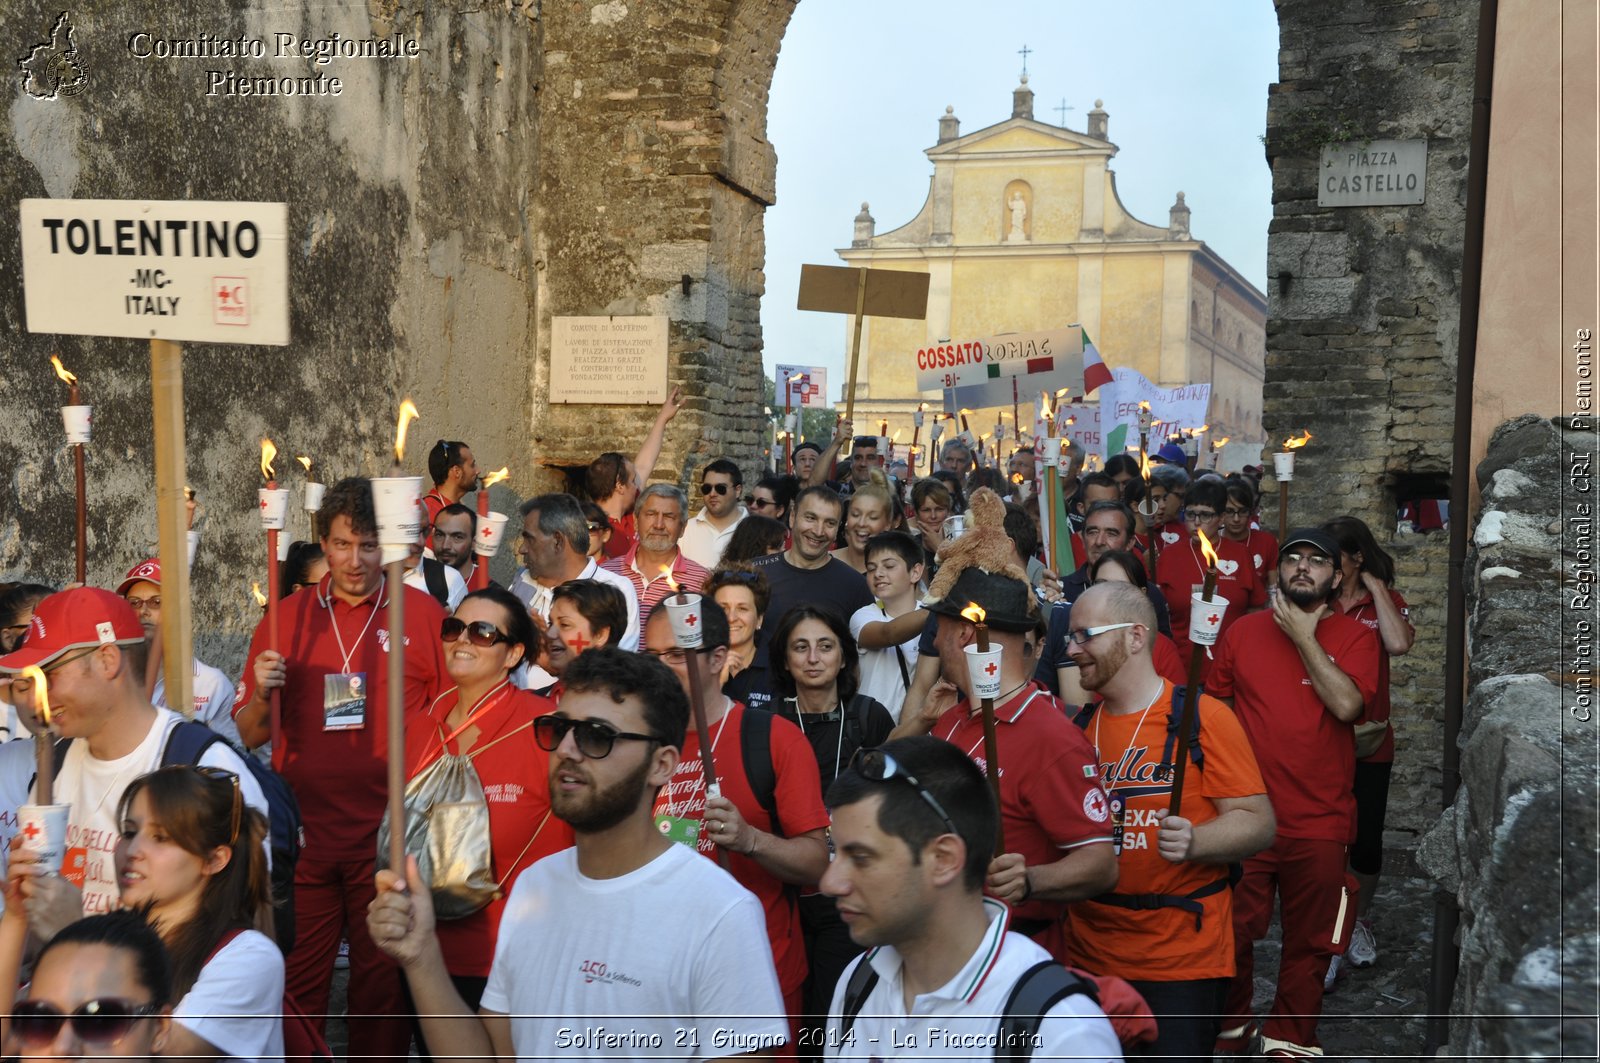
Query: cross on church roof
1062, 111
1025, 52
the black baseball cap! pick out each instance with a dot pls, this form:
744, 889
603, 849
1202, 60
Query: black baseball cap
1316, 537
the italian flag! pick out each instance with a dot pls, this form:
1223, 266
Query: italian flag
1095, 372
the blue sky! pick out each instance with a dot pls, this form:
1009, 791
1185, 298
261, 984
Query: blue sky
860, 87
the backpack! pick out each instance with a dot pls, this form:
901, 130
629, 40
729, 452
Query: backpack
1197, 755
302, 1038
433, 576
755, 748
1041, 987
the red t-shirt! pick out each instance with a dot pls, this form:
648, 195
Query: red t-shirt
622, 538
1262, 546
340, 777
1181, 573
1169, 663
1378, 712
516, 784
1161, 944
798, 796
1050, 795
1307, 756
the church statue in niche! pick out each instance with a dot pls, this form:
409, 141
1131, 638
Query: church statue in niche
1019, 216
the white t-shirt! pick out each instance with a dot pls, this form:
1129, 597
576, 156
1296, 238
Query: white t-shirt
237, 1002
455, 584
959, 1020
213, 700
880, 671
94, 787
669, 962
703, 542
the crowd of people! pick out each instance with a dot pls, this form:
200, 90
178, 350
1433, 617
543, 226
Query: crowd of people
806, 837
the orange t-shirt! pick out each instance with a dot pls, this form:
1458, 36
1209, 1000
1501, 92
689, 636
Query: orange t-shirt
1161, 945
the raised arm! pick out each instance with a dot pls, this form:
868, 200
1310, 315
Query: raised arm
650, 449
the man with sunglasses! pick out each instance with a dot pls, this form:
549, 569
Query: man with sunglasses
91, 649
656, 564
1168, 926
625, 945
1300, 676
914, 824
708, 532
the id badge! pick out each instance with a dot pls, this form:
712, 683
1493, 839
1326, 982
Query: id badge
1118, 805
679, 829
344, 701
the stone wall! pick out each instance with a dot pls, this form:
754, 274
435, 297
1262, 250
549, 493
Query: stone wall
1364, 307
1517, 847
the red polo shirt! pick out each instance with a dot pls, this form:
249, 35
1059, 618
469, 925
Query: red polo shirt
341, 777
1181, 573
1378, 712
1307, 755
623, 536
651, 587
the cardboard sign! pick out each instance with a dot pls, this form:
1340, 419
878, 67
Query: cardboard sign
147, 269
808, 385
838, 290
608, 361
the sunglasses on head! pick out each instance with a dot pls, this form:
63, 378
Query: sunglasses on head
875, 765
479, 633
224, 775
103, 1021
720, 489
594, 740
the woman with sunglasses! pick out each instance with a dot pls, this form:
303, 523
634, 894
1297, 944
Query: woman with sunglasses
16, 613
871, 510
599, 529
1238, 519
101, 988
487, 719
744, 595
772, 496
1181, 571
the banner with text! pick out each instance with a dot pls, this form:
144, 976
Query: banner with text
1054, 357
808, 385
1175, 408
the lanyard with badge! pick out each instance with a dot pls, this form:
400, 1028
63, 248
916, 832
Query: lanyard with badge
344, 693
682, 828
1119, 804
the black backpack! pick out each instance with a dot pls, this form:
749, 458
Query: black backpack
755, 747
1041, 987
433, 576
1197, 756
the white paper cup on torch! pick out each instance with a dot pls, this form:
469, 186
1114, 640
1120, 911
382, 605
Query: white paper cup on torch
274, 508
1283, 465
983, 672
44, 831
76, 421
687, 620
314, 493
491, 530
398, 503
916, 418
1051, 447
1205, 619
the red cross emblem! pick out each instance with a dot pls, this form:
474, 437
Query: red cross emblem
263, 503
990, 669
487, 531
577, 643
691, 620
32, 831
222, 293
1213, 619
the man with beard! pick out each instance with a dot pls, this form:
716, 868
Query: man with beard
1299, 676
1168, 926
654, 564
453, 531
625, 945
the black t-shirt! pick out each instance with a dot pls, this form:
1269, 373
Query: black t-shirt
835, 585
753, 684
869, 727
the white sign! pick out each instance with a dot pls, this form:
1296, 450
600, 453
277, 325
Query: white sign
1084, 426
1373, 173
1175, 408
807, 384
612, 361
170, 270
966, 363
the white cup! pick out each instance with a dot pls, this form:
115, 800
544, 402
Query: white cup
44, 831
1050, 449
1283, 465
194, 544
916, 418
274, 505
314, 493
687, 622
883, 447
791, 423
76, 420
396, 500
1205, 619
491, 530
983, 672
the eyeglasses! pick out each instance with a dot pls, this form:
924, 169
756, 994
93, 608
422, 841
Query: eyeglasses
720, 489
1199, 514
141, 604
597, 528
877, 766
673, 656
1309, 560
102, 1021
594, 740
479, 633
232, 778
1235, 513
1082, 635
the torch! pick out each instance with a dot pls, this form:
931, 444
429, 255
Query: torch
42, 823
917, 416
490, 530
44, 745
1148, 507
983, 680
1205, 621
1283, 469
1016, 421
314, 493
76, 418
274, 505
683, 610
397, 500
1050, 455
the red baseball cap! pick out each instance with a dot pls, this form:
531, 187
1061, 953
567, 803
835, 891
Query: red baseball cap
80, 618
144, 572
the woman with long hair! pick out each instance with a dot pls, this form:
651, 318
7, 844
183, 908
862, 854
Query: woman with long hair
869, 510
303, 566
1238, 516
1366, 592
755, 537
490, 721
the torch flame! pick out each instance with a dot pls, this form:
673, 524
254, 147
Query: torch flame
1144, 405
974, 612
261, 599
303, 460
1205, 549
408, 413
495, 477
1144, 465
1220, 443
896, 437
666, 574
268, 452
1044, 406
922, 407
1296, 444
1062, 393
1016, 477
1202, 428
66, 378
41, 688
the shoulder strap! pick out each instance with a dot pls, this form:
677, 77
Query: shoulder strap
222, 943
862, 981
856, 718
1085, 715
755, 748
187, 743
433, 576
1174, 721
1041, 987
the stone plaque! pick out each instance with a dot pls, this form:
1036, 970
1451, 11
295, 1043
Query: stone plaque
1373, 173
611, 361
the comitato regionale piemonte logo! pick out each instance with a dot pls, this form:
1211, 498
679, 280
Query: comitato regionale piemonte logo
53, 68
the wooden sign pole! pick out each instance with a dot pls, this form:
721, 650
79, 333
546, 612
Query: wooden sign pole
172, 519
862, 292
855, 348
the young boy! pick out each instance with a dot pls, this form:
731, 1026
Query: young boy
887, 631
